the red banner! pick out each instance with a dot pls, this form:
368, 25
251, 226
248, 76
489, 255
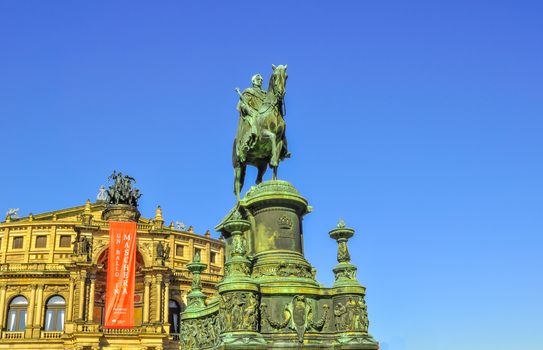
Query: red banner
121, 275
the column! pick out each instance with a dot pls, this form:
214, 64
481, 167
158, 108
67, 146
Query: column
70, 306
82, 281
39, 307
90, 311
158, 297
3, 307
146, 306
166, 303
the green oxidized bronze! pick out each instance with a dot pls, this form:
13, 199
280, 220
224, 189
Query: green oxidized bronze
269, 297
122, 199
237, 265
122, 191
261, 139
345, 272
196, 299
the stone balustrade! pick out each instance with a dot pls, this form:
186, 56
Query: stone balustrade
13, 335
51, 335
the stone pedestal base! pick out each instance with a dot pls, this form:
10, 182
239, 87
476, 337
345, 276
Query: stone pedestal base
269, 298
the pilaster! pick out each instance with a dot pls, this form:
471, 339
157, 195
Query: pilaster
82, 282
39, 311
30, 315
3, 308
90, 311
158, 301
165, 306
70, 306
146, 298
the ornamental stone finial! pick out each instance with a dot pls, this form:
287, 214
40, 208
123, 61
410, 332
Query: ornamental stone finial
344, 271
237, 265
342, 234
86, 217
87, 209
158, 221
158, 214
196, 299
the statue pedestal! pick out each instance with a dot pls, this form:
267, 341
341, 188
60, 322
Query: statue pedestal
120, 212
275, 210
269, 298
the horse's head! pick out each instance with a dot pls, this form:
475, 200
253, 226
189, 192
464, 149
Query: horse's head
278, 80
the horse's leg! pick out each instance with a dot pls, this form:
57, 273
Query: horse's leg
274, 155
261, 170
239, 178
275, 158
278, 149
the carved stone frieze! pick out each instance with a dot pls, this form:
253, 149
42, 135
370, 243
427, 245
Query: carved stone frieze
16, 289
298, 316
230, 269
147, 248
200, 333
283, 270
99, 244
351, 314
56, 289
347, 272
238, 311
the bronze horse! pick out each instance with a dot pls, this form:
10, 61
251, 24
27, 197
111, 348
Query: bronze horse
269, 143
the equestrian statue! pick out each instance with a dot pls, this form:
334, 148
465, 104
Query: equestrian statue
260, 140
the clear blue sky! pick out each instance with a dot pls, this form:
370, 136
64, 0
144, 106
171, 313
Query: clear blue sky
418, 122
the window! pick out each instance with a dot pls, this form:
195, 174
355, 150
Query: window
213, 257
17, 243
65, 241
41, 241
17, 314
174, 316
179, 250
54, 314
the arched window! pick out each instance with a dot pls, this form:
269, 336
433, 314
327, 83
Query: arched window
54, 314
17, 314
174, 316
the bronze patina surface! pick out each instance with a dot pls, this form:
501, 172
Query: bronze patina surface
261, 139
269, 297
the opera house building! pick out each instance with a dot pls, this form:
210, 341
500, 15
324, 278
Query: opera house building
53, 271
